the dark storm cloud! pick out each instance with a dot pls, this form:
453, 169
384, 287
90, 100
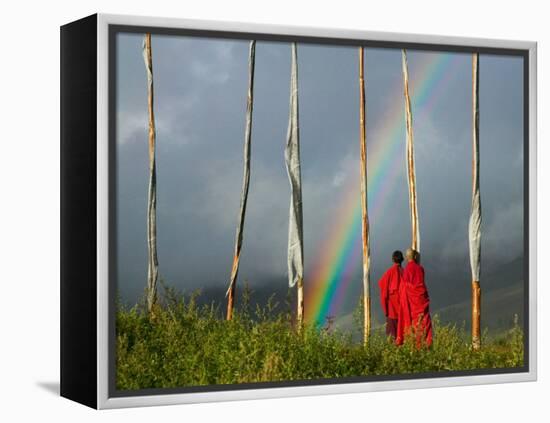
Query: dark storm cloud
200, 104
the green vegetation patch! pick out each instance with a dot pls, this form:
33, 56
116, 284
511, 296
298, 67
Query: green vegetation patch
183, 344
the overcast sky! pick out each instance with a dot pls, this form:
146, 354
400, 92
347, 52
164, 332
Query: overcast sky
200, 102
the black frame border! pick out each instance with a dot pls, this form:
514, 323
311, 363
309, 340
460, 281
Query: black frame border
78, 211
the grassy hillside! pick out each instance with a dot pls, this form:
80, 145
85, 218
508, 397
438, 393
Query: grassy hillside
186, 344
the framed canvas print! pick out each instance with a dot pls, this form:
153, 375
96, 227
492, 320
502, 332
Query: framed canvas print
252, 211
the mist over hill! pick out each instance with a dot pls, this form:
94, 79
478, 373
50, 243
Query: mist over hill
501, 299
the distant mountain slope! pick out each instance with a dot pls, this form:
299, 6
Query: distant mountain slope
498, 308
502, 296
451, 285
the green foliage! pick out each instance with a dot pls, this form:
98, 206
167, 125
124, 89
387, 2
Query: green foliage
182, 344
358, 317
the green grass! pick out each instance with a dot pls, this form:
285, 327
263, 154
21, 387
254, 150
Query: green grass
184, 344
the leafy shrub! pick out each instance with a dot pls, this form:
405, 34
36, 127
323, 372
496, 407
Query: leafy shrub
183, 344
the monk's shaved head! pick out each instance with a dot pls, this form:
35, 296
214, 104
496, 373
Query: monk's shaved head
411, 254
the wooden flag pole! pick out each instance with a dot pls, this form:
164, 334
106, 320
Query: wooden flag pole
474, 229
300, 304
152, 269
246, 180
411, 171
364, 209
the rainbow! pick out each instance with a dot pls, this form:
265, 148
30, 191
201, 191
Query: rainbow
339, 254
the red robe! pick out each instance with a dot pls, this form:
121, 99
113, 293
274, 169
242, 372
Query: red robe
414, 306
389, 291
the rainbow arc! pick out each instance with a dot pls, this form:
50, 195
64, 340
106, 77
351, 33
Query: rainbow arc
339, 254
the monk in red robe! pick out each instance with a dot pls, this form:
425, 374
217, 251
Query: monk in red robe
414, 303
389, 293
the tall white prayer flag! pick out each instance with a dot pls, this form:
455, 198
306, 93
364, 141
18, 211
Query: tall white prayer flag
292, 159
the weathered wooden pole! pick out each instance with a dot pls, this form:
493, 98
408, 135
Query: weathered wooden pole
152, 269
474, 227
246, 180
300, 303
292, 161
411, 172
364, 209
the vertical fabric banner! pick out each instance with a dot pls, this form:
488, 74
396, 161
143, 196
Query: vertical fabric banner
152, 268
364, 208
292, 160
246, 180
474, 227
411, 172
